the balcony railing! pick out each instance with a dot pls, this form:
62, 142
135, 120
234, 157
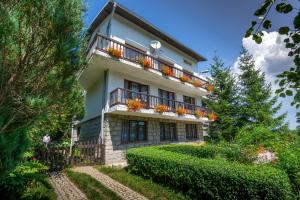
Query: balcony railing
135, 55
121, 96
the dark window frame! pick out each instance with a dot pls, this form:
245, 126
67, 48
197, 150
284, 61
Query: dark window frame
171, 97
191, 132
173, 136
126, 124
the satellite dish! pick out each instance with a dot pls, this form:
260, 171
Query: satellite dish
155, 44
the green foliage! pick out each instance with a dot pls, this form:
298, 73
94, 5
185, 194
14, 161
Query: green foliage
39, 190
288, 80
41, 52
26, 179
147, 188
92, 188
230, 152
223, 102
209, 178
256, 104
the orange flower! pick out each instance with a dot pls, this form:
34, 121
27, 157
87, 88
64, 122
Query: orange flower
145, 62
134, 104
198, 83
212, 117
199, 113
167, 70
181, 111
114, 52
260, 150
161, 108
184, 78
210, 87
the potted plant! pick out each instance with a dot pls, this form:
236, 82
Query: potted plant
134, 104
114, 52
161, 108
145, 62
184, 78
167, 70
210, 87
212, 116
198, 83
199, 113
181, 111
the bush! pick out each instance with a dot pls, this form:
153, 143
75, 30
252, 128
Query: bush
230, 152
209, 178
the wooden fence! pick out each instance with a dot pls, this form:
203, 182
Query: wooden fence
87, 152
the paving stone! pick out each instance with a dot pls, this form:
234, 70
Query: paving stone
64, 188
121, 190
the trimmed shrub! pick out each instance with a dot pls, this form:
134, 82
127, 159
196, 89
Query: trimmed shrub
230, 152
209, 178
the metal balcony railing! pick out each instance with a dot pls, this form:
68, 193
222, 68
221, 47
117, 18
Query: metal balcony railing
127, 52
121, 96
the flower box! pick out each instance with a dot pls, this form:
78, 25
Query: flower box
200, 113
114, 52
167, 71
161, 108
181, 111
134, 104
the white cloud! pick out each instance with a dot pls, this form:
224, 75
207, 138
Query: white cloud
271, 57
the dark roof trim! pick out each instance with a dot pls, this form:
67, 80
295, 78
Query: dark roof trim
120, 10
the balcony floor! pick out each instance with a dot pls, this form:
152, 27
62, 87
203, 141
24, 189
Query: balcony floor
123, 110
101, 61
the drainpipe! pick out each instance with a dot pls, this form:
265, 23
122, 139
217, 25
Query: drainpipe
104, 102
108, 28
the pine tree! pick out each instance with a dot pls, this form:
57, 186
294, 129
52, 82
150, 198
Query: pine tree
258, 106
224, 101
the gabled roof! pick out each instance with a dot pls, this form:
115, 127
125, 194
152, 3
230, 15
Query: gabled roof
139, 21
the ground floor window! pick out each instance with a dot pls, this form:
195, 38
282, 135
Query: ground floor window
134, 131
168, 131
191, 131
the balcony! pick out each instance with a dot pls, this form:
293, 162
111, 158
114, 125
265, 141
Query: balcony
120, 97
125, 52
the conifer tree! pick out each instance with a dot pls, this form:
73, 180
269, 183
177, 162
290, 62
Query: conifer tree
257, 104
223, 101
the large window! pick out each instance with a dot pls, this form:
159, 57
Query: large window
167, 98
190, 103
139, 91
168, 131
191, 131
134, 131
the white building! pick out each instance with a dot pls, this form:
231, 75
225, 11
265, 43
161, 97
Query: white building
125, 72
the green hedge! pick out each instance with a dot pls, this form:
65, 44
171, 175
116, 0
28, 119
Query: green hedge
229, 152
209, 178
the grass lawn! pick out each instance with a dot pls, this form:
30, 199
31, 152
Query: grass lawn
145, 187
93, 189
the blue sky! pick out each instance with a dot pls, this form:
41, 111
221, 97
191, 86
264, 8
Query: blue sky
206, 26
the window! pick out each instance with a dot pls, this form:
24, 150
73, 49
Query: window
187, 62
168, 131
167, 98
190, 102
191, 131
134, 131
136, 88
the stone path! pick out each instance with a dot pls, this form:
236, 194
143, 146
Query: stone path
64, 188
123, 191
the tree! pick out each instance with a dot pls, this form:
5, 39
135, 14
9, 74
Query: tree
289, 81
257, 106
40, 54
225, 101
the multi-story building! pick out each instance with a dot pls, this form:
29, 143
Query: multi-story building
141, 86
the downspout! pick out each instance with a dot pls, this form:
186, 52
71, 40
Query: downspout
104, 105
108, 28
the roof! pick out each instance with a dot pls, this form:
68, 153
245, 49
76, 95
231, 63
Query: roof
139, 21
